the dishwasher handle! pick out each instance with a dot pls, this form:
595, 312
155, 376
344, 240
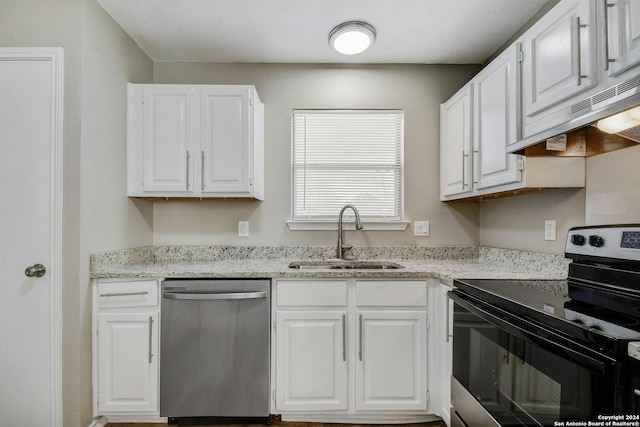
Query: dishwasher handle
213, 295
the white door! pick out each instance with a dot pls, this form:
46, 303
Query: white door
311, 364
391, 372
30, 138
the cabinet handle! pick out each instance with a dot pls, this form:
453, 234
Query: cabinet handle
448, 314
605, 30
344, 338
188, 161
579, 55
150, 338
202, 170
124, 294
361, 339
636, 392
465, 156
474, 170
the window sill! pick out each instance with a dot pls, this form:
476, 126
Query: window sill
349, 225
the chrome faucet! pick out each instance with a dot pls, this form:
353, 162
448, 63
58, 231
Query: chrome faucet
341, 246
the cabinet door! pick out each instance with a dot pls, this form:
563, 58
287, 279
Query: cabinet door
311, 366
391, 368
495, 123
623, 18
455, 143
168, 139
127, 362
225, 138
559, 55
446, 350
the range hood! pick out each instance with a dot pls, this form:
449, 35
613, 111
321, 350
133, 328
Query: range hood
585, 142
580, 131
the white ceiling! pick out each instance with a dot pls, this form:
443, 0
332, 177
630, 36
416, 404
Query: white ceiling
297, 31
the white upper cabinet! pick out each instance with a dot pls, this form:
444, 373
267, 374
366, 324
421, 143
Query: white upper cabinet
225, 138
474, 141
455, 143
195, 141
559, 53
167, 135
580, 63
622, 26
495, 122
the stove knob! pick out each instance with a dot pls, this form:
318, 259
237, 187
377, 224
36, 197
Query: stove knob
578, 239
596, 241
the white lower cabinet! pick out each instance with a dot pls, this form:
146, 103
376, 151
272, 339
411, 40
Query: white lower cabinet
391, 373
127, 374
348, 347
311, 367
126, 346
441, 338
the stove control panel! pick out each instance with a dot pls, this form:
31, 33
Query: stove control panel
613, 241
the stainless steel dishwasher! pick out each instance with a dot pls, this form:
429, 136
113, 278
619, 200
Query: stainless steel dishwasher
214, 350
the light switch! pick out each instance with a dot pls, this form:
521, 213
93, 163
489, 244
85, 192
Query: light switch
420, 228
243, 228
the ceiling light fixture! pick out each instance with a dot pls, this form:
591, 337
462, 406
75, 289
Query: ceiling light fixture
621, 121
351, 38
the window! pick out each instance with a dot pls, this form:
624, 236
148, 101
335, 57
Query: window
347, 157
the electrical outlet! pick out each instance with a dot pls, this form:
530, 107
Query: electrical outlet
420, 228
243, 228
550, 229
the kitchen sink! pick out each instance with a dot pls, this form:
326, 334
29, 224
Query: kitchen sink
344, 265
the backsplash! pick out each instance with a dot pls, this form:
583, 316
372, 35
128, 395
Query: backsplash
532, 261
166, 254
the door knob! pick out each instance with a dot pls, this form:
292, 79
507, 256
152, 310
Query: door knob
36, 270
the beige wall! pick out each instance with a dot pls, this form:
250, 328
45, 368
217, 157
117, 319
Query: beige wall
518, 222
99, 58
108, 219
613, 187
416, 89
611, 196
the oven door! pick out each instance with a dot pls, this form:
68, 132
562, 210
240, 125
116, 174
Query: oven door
522, 374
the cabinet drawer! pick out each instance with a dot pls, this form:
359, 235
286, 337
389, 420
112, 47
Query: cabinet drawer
128, 294
326, 293
391, 293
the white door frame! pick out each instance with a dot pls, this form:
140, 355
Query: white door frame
56, 56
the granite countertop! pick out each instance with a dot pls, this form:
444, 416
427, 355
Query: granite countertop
445, 264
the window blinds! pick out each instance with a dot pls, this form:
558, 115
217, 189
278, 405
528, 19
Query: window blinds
347, 157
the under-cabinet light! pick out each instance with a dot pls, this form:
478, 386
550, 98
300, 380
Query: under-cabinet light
621, 121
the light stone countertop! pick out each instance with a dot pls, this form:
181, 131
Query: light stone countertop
485, 263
